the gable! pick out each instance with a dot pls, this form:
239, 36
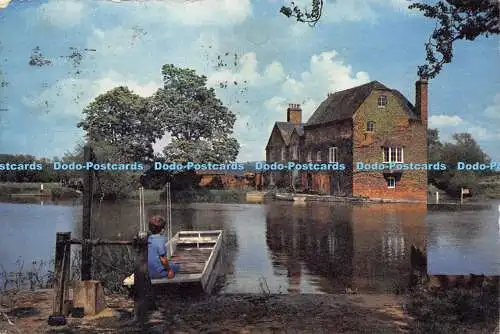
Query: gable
275, 136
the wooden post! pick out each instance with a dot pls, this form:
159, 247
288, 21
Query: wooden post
61, 272
87, 217
142, 283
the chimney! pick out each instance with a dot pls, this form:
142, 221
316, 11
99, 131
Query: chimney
421, 100
294, 114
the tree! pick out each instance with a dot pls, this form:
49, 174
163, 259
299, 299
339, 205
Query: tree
456, 20
199, 123
122, 119
464, 148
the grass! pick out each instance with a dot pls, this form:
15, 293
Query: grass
194, 196
455, 309
53, 190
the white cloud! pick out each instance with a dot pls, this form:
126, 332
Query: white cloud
4, 3
481, 133
440, 121
354, 10
326, 74
161, 143
62, 13
194, 12
493, 110
70, 96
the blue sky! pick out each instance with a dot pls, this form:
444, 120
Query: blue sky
280, 60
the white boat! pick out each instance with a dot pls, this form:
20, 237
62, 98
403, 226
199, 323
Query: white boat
196, 253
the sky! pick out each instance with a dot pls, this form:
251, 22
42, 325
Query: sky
278, 61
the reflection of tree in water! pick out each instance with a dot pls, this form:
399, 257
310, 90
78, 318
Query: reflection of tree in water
322, 245
121, 221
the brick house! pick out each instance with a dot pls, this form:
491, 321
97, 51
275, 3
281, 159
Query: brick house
371, 124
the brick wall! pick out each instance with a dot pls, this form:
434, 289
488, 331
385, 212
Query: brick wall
391, 125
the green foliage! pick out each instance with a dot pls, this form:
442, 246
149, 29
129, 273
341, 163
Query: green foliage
44, 176
456, 20
122, 119
114, 184
56, 193
463, 149
200, 125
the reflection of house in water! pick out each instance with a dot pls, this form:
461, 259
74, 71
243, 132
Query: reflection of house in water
383, 237
310, 238
366, 247
393, 241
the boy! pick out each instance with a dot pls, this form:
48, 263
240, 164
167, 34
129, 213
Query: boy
158, 264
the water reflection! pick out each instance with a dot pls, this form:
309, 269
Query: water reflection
464, 242
342, 246
312, 248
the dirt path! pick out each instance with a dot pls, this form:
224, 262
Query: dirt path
226, 314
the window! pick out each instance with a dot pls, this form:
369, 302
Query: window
391, 182
318, 156
282, 153
295, 152
309, 156
382, 101
332, 154
393, 154
370, 126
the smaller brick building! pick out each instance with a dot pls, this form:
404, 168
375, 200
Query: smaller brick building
371, 124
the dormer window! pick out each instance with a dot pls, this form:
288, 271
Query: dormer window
318, 156
382, 101
370, 126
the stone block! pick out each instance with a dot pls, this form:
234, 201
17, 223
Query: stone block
90, 296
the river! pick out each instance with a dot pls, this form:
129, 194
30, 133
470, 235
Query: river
279, 246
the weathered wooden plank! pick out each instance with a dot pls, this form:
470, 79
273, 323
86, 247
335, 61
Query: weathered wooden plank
209, 266
61, 271
86, 265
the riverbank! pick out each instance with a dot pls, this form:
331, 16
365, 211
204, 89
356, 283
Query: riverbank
329, 198
52, 191
418, 312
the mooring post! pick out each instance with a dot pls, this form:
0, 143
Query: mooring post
87, 217
142, 282
61, 277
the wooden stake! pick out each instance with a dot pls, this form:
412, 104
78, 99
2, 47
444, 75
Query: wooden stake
87, 217
61, 271
142, 284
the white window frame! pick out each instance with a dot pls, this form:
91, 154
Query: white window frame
332, 154
389, 154
391, 182
372, 123
318, 156
309, 156
382, 101
283, 154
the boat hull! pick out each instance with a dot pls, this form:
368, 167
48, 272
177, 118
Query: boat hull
196, 253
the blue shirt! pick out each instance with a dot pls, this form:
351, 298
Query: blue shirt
156, 248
